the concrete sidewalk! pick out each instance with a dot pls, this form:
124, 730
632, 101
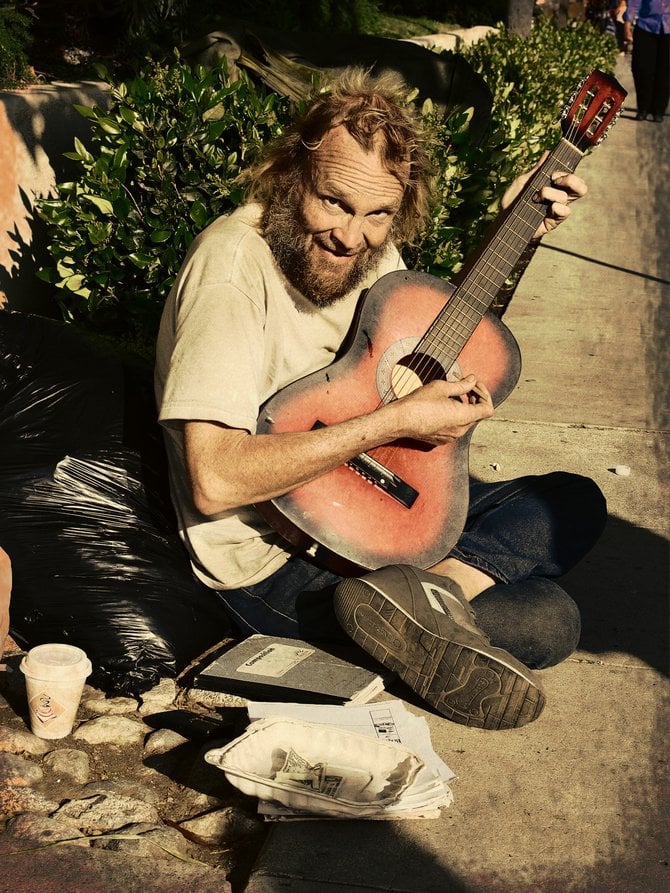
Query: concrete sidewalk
577, 801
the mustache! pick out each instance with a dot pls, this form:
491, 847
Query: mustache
330, 245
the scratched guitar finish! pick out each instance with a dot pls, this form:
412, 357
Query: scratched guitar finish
406, 502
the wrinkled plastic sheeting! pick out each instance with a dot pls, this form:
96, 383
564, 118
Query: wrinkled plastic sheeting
85, 514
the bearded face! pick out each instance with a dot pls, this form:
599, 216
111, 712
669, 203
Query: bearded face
330, 228
301, 257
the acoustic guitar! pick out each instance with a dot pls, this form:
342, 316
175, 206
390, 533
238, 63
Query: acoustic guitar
406, 501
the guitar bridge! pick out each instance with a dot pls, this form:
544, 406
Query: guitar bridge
381, 476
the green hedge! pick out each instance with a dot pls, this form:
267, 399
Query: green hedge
15, 40
531, 81
162, 162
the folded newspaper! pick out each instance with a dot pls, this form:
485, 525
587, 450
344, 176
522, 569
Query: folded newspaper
373, 761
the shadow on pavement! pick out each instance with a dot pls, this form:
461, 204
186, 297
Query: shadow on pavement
621, 588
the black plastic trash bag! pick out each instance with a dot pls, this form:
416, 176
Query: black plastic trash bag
85, 515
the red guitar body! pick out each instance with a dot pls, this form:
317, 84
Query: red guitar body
343, 512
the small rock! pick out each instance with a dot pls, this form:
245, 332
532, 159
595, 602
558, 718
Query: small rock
16, 799
622, 470
213, 699
112, 706
220, 826
162, 741
95, 815
20, 741
43, 828
74, 764
111, 730
199, 802
122, 787
155, 843
17, 771
159, 698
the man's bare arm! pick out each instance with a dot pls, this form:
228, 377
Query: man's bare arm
229, 468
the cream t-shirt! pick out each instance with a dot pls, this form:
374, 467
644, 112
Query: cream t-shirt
233, 333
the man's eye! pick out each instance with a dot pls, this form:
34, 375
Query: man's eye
331, 202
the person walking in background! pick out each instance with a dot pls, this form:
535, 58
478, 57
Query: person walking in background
617, 25
648, 23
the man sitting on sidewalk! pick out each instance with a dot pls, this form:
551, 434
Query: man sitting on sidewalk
267, 296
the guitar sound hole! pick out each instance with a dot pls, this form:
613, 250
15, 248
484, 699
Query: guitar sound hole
414, 370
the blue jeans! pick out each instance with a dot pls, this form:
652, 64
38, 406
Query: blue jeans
522, 532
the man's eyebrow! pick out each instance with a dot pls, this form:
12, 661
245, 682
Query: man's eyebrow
332, 191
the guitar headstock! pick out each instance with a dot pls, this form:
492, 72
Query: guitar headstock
593, 108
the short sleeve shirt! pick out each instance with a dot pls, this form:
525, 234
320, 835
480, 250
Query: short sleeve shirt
233, 333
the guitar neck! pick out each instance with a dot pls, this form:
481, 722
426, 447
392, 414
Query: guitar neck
472, 298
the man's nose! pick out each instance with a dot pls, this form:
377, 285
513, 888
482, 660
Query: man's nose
349, 234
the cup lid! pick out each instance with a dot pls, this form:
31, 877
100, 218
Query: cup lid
56, 661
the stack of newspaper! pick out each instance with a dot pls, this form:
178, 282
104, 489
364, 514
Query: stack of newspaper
423, 797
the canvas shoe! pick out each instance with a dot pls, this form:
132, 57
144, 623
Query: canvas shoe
422, 627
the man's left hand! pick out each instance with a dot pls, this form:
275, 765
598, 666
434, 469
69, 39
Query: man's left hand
565, 188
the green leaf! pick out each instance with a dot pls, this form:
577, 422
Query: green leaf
160, 235
64, 269
140, 260
109, 126
47, 274
215, 113
85, 110
81, 150
120, 157
102, 204
99, 232
128, 114
74, 283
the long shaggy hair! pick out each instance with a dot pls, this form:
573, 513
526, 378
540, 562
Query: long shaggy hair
369, 107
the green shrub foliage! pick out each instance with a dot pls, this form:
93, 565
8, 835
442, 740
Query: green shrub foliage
162, 163
531, 81
15, 39
164, 160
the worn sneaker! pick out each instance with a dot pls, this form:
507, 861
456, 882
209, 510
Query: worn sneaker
421, 626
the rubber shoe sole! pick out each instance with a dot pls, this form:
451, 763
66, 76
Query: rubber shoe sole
462, 677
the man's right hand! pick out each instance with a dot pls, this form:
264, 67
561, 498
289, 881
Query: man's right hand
442, 411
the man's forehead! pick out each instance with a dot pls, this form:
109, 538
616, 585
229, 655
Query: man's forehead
340, 156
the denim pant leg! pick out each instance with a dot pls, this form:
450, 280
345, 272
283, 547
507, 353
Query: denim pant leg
535, 620
534, 526
522, 532
296, 602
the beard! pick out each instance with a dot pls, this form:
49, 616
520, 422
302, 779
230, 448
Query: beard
320, 282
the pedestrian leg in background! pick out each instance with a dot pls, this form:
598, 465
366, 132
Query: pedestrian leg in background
650, 66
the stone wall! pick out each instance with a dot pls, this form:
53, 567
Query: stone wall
452, 40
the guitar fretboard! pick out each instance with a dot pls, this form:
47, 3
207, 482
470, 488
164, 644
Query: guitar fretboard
454, 325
